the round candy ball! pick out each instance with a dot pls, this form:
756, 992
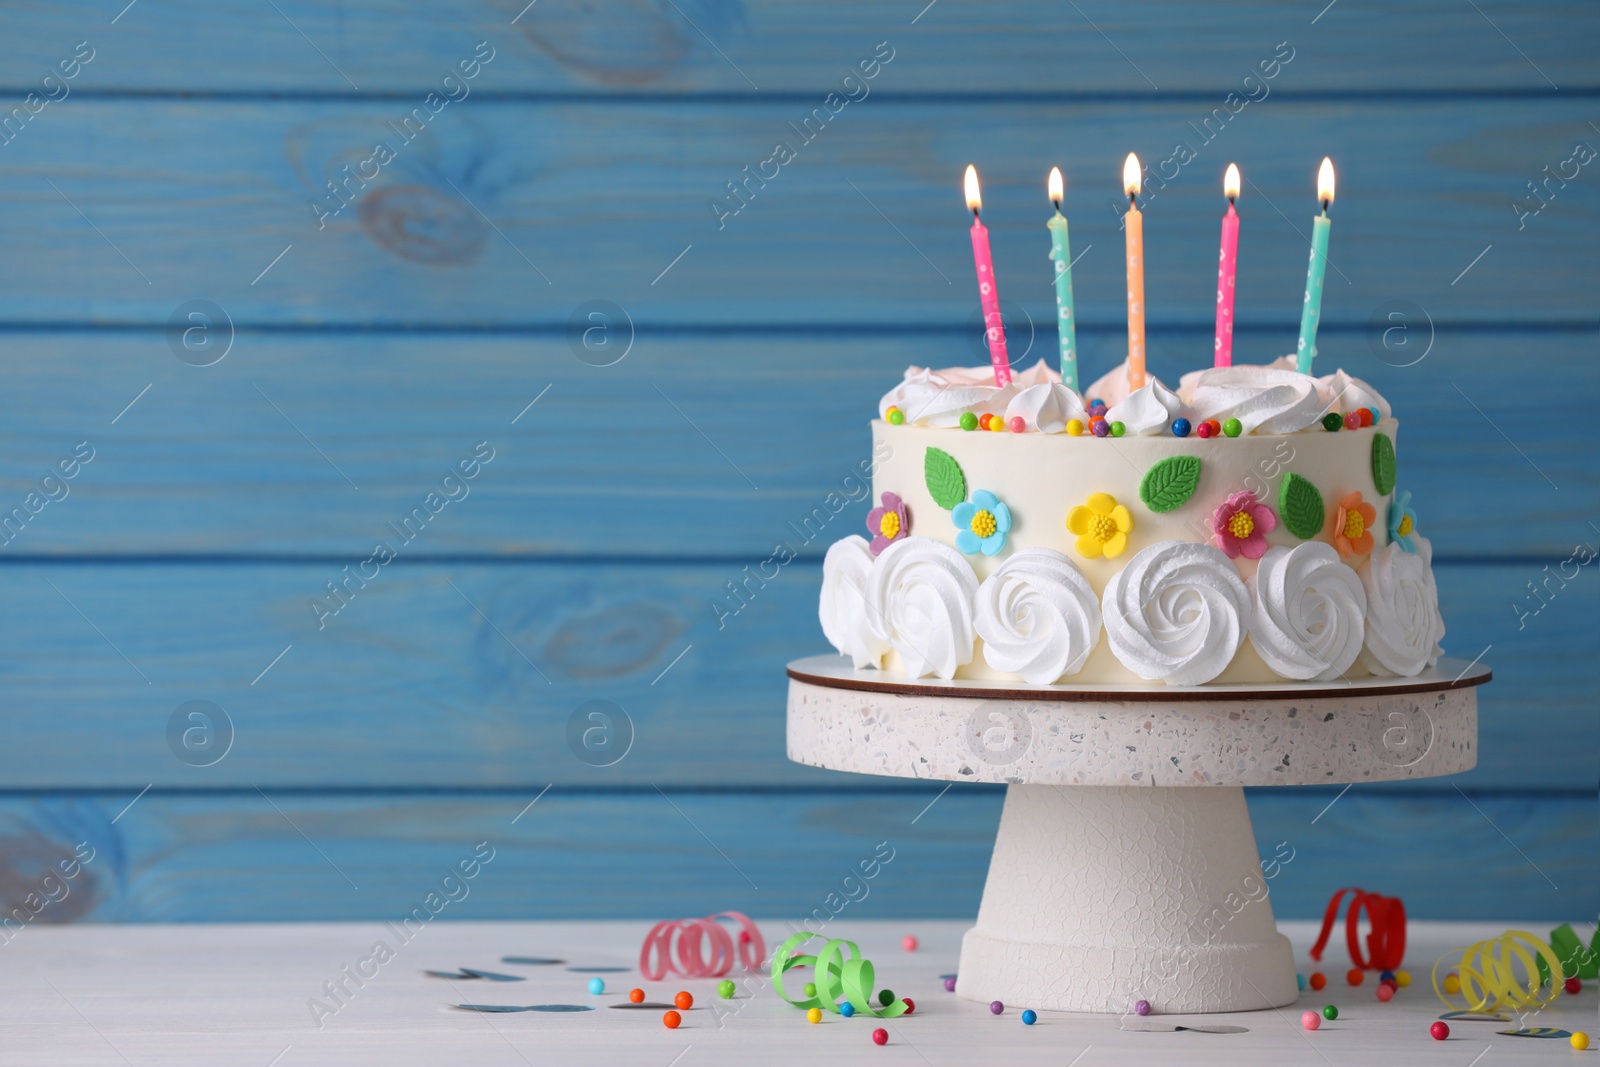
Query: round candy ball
949, 985
886, 997
1074, 428
683, 1000
1203, 431
1233, 427
725, 989
880, 1037
671, 1020
1330, 1012
1141, 1007
1318, 980
995, 1007
1580, 1040
1017, 425
1377, 416
1386, 976
1452, 984
597, 986
1097, 407
896, 417
636, 996
997, 423
1440, 1030
1385, 993
1311, 1020
847, 1009
1180, 427
1352, 420
1030, 1017
1573, 985
1118, 429
983, 421
1366, 416
1332, 421
1300, 981
969, 421
909, 942
1402, 978
910, 1004
810, 989
814, 1015
1355, 976
1102, 428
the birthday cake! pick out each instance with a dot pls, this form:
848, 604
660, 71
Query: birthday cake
1245, 527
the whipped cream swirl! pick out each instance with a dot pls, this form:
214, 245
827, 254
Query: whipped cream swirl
1177, 612
1038, 616
920, 600
1309, 611
939, 397
846, 577
1404, 626
1340, 392
1148, 410
1263, 399
1047, 408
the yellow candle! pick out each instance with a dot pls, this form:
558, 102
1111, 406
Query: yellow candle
1133, 230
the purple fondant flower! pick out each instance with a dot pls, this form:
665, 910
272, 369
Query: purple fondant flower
1241, 525
888, 523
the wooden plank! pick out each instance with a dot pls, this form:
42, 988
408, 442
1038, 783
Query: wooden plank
654, 457
249, 856
517, 213
409, 686
727, 46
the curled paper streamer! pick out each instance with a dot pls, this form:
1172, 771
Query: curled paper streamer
836, 977
1386, 943
700, 948
1489, 978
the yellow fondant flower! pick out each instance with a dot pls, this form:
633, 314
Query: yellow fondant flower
1102, 526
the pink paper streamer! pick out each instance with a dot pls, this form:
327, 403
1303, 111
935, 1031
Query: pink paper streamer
700, 948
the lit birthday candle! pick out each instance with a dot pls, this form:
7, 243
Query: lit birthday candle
1227, 268
994, 330
1061, 253
1133, 230
1311, 315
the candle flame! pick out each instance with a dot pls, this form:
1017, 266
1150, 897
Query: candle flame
974, 199
1230, 182
1131, 172
1325, 181
1057, 186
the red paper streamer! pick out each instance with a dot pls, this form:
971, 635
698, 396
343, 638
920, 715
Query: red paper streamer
1386, 942
700, 948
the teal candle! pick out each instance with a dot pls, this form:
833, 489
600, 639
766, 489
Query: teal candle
1311, 314
1066, 316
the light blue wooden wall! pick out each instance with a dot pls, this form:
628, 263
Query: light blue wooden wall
371, 355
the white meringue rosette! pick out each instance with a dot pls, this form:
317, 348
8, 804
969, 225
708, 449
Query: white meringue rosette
1047, 408
1404, 626
1309, 612
920, 600
1264, 399
1342, 393
1176, 613
1147, 411
930, 397
1038, 616
846, 621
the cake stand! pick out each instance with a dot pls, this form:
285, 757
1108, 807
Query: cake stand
1125, 865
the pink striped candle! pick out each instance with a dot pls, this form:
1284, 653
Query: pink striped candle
1227, 269
994, 330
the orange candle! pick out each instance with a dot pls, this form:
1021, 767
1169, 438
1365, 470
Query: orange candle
1133, 230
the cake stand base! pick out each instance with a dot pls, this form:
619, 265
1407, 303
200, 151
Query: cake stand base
1101, 896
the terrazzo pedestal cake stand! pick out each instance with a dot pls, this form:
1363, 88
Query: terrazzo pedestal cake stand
1125, 866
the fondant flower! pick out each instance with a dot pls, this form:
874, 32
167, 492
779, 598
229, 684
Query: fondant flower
1353, 520
1402, 522
888, 523
983, 522
1242, 524
1102, 526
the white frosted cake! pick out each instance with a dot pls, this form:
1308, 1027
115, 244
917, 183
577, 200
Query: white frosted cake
1245, 528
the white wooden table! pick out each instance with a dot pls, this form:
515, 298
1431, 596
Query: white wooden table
239, 995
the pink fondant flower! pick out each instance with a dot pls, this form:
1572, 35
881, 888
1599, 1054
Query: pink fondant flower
888, 523
1242, 524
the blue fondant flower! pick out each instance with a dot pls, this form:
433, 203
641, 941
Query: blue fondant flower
1402, 522
983, 522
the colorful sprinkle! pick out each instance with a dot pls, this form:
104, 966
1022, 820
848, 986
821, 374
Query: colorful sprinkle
1355, 976
1318, 980
886, 997
1102, 428
683, 1000
1332, 421
1352, 421
1018, 425
896, 417
811, 989
1097, 407
997, 423
1377, 416
983, 421
909, 942
1141, 1007
910, 1004
1311, 1020
1366, 416
1074, 428
1439, 1030
1203, 431
1385, 993
1330, 1012
949, 985
1580, 1040
1180, 427
1452, 984
1402, 978
1233, 427
1300, 981
814, 1015
726, 988
995, 1007
636, 996
1030, 1017
880, 1037
847, 1009
969, 421
1118, 429
671, 1019
1573, 985
597, 986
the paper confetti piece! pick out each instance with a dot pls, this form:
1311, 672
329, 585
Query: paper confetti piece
700, 948
1476, 1017
600, 970
1489, 977
501, 1009
530, 961
837, 978
1536, 1031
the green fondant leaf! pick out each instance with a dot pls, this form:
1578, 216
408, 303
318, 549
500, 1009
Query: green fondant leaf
946, 484
1301, 507
1169, 484
1383, 463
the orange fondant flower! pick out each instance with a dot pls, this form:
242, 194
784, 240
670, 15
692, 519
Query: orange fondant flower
1102, 526
1353, 520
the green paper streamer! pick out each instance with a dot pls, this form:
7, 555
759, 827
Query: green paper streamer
836, 977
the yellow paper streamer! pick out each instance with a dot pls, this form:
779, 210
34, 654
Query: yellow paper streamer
1488, 973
